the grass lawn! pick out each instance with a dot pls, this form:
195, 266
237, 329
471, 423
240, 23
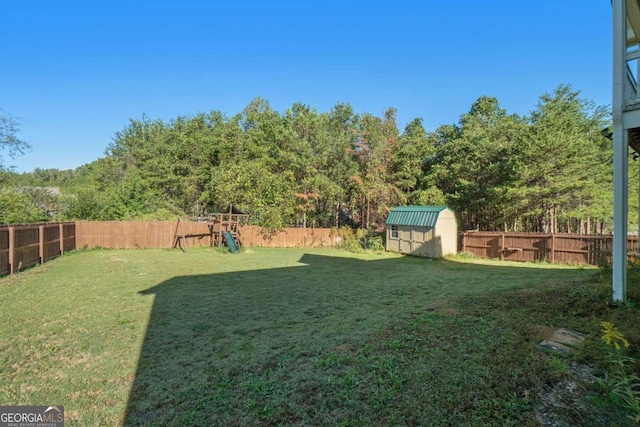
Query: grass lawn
295, 336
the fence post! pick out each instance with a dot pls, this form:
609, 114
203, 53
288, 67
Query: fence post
502, 247
41, 243
12, 248
61, 238
464, 242
553, 248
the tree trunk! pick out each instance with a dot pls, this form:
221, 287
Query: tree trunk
547, 220
367, 222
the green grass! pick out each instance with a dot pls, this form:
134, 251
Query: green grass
302, 337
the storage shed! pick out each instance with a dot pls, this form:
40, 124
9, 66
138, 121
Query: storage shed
428, 231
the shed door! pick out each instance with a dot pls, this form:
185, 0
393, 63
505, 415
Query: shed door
405, 247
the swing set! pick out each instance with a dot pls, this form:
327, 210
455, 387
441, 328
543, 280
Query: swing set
223, 228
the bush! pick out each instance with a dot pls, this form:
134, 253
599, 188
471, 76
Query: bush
18, 208
360, 240
350, 241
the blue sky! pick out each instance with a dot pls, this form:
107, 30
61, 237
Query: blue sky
75, 72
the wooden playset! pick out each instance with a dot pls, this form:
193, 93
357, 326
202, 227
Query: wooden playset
224, 229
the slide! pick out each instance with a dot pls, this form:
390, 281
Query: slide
228, 238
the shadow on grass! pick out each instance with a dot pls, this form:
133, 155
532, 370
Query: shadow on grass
337, 340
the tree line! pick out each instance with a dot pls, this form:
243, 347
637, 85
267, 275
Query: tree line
548, 171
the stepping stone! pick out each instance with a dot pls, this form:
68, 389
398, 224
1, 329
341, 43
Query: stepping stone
562, 340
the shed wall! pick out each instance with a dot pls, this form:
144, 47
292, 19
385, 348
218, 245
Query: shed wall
447, 232
412, 240
431, 242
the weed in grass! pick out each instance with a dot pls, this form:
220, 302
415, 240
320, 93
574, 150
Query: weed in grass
558, 364
622, 387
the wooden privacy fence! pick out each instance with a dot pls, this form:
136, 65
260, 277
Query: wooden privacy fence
162, 234
22, 246
554, 248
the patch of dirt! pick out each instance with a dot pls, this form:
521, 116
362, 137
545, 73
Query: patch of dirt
566, 401
345, 348
441, 308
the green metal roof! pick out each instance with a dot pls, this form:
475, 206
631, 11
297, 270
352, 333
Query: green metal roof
419, 216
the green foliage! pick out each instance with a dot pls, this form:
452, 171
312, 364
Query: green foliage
49, 204
549, 171
350, 240
16, 207
359, 240
255, 190
430, 196
375, 243
162, 214
86, 203
567, 173
623, 387
9, 141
